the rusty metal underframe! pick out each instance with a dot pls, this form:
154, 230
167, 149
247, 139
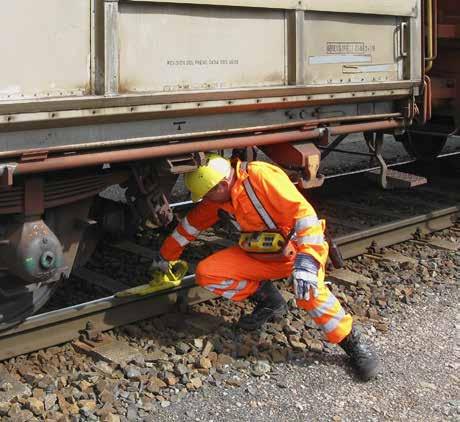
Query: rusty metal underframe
36, 154
134, 154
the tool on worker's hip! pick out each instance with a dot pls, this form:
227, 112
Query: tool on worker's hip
161, 280
270, 246
262, 242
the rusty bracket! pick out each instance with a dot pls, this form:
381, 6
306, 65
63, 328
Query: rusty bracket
375, 143
6, 176
34, 156
182, 163
34, 197
325, 136
152, 203
426, 101
303, 158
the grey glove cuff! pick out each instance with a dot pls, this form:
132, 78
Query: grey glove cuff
306, 263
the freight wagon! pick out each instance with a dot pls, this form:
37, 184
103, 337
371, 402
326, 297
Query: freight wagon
439, 102
95, 93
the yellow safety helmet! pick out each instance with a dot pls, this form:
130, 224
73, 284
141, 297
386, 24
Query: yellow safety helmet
200, 181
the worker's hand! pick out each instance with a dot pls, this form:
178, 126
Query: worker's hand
305, 283
305, 276
159, 263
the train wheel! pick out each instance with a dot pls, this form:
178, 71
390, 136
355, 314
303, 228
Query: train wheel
422, 147
426, 147
15, 309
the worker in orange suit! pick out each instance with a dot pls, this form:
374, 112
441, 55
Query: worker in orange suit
262, 199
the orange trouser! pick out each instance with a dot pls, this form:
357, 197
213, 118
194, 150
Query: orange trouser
235, 275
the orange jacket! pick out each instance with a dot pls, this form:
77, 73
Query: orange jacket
287, 207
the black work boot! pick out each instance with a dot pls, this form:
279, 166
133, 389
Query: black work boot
270, 305
362, 356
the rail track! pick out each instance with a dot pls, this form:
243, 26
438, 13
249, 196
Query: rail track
62, 325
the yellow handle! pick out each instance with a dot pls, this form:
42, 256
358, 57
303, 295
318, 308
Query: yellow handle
177, 270
160, 280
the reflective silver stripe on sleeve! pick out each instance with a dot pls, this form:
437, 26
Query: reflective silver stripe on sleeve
179, 238
191, 230
319, 311
229, 294
317, 239
334, 322
306, 222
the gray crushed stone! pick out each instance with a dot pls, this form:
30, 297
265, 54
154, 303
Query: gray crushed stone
419, 380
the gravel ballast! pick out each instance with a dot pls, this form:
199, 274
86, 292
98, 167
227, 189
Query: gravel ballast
419, 379
196, 366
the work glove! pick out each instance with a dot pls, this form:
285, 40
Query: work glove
305, 277
303, 282
159, 263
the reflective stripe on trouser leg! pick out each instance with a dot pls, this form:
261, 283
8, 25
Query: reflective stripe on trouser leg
227, 288
231, 289
328, 314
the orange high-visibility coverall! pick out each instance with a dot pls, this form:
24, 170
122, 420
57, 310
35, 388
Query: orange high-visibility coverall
233, 273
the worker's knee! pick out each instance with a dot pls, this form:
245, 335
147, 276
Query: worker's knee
200, 273
205, 272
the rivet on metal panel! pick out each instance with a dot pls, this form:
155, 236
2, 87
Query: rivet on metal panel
303, 115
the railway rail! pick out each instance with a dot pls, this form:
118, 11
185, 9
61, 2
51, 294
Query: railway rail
62, 325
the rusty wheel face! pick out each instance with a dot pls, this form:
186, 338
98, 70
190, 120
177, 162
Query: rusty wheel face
422, 147
15, 309
427, 146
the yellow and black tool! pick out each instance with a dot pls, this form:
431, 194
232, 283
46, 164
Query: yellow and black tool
160, 280
262, 242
